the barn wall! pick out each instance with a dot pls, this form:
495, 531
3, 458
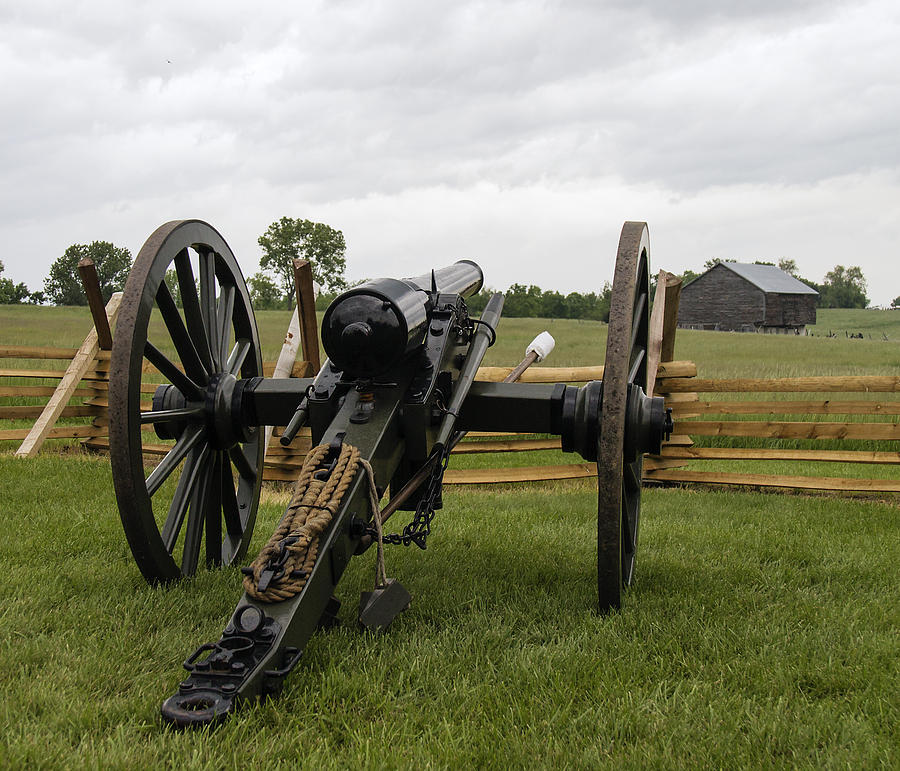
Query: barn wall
790, 310
721, 297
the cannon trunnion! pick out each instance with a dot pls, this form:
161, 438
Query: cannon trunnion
396, 394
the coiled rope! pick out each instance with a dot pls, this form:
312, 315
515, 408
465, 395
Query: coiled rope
284, 564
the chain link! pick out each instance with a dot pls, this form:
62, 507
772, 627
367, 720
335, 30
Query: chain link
417, 531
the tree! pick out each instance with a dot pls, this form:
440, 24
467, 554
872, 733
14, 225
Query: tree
895, 303
688, 276
477, 302
264, 292
522, 302
63, 287
554, 306
715, 261
789, 266
323, 246
171, 279
12, 293
843, 288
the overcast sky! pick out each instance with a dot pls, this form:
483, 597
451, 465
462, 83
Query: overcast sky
518, 134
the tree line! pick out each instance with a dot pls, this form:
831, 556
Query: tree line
531, 301
325, 248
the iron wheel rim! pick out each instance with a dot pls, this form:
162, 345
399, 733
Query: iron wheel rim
201, 504
619, 480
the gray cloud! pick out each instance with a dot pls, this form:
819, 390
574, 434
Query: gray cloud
116, 115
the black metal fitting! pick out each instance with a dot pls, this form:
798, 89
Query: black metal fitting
207, 695
331, 457
647, 423
580, 419
168, 397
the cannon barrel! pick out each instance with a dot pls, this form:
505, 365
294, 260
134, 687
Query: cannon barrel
463, 277
370, 328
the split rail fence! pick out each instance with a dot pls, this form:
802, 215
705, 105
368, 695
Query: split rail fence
832, 410
775, 421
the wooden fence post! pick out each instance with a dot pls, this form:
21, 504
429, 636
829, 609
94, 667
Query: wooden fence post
655, 335
88, 272
306, 312
670, 316
80, 364
285, 364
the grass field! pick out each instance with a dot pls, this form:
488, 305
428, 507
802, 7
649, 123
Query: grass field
762, 630
580, 342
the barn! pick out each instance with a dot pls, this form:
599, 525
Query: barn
747, 298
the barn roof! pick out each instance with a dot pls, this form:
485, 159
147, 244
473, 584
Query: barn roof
769, 278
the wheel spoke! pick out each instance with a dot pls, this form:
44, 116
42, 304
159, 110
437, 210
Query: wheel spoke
636, 318
213, 513
192, 315
177, 414
182, 498
193, 534
223, 320
181, 381
624, 536
186, 442
230, 510
179, 334
236, 359
208, 302
636, 364
242, 464
631, 503
632, 480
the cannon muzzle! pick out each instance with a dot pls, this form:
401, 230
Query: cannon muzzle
370, 328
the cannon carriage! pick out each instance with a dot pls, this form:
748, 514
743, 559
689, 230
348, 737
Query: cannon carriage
395, 395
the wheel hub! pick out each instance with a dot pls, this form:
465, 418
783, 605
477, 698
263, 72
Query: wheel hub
647, 421
222, 412
223, 409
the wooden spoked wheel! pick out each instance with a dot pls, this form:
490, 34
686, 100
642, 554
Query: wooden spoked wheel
186, 323
619, 476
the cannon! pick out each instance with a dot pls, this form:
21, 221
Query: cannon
396, 393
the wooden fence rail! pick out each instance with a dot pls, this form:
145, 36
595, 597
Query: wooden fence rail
751, 418
841, 384
92, 386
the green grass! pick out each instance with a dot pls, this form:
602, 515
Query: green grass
838, 321
762, 631
719, 354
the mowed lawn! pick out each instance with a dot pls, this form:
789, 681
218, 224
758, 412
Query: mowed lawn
762, 629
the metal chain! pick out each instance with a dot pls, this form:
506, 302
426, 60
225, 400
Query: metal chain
417, 531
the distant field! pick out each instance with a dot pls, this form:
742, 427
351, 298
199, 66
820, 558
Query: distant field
846, 320
718, 354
